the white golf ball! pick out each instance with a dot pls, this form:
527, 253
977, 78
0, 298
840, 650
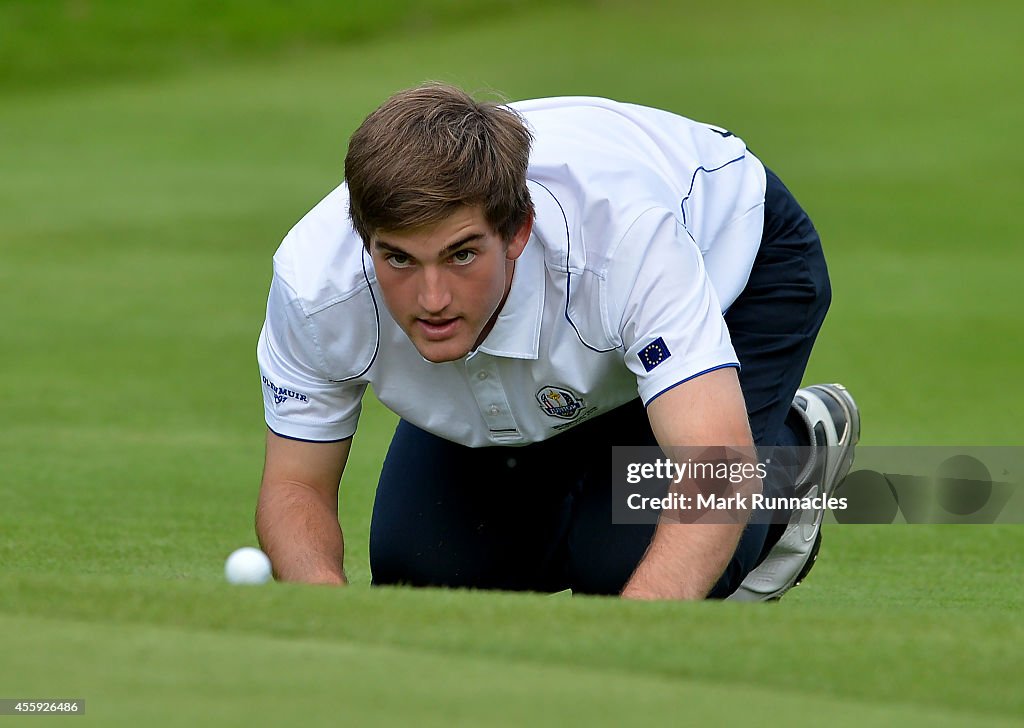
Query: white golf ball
247, 565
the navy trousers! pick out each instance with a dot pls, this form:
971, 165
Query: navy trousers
539, 517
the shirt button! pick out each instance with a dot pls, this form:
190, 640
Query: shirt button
494, 410
482, 375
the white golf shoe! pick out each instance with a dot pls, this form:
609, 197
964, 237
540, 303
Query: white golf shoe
833, 426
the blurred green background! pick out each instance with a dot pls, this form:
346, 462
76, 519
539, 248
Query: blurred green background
152, 156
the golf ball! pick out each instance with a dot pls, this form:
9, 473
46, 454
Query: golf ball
247, 565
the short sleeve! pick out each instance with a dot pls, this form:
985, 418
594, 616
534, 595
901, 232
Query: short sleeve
300, 400
668, 315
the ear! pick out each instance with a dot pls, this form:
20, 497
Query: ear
517, 244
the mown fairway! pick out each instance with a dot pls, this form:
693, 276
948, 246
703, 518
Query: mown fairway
147, 174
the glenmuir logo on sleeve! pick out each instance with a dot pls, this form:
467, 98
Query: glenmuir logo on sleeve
654, 354
280, 395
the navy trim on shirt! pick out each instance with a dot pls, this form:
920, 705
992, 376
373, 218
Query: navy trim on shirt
705, 170
300, 439
376, 315
568, 274
684, 381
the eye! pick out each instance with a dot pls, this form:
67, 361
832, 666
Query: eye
395, 260
463, 257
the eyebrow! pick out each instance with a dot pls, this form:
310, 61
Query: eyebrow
445, 252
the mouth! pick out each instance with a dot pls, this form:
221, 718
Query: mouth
437, 329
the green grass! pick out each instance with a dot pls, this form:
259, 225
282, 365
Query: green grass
451, 655
141, 199
66, 43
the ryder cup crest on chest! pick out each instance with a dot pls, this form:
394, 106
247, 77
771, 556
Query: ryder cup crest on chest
559, 402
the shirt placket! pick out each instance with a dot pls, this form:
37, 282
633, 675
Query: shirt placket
489, 392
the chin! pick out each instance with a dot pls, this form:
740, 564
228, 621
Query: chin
440, 354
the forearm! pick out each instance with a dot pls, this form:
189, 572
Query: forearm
702, 420
684, 561
299, 530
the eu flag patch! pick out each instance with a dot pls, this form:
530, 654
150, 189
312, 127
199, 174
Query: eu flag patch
654, 354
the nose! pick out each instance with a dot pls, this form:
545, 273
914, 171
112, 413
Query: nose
434, 294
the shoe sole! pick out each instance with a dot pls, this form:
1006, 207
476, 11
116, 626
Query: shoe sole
851, 434
848, 439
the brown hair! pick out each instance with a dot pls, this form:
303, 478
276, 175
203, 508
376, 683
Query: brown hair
431, 149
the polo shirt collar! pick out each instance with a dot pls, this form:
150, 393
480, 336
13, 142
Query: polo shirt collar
516, 333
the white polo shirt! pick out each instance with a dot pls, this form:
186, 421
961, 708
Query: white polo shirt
646, 230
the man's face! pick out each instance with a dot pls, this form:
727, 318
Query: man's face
445, 284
